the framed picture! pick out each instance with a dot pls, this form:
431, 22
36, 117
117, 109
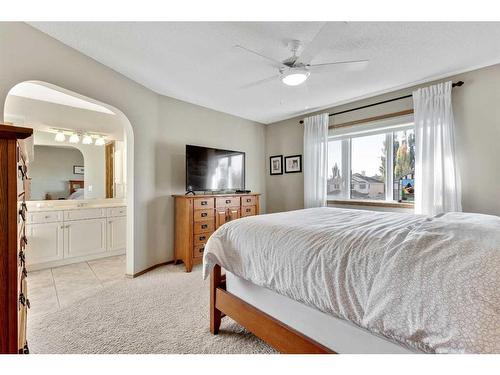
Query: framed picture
293, 164
78, 169
276, 164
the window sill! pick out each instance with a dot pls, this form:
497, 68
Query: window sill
371, 203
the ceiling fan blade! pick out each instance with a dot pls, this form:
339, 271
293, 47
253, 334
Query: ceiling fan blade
354, 63
276, 63
318, 43
260, 82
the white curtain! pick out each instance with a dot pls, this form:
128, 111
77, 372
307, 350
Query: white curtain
315, 160
437, 178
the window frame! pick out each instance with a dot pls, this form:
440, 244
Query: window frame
346, 152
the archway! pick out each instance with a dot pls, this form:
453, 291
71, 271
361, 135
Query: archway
71, 98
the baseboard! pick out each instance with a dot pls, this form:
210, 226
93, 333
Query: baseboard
148, 269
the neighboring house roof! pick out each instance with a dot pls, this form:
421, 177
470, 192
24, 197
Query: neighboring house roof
358, 177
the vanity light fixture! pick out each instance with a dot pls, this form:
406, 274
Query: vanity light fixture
74, 138
87, 140
60, 137
100, 141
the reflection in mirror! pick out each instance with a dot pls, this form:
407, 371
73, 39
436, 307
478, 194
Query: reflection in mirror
57, 172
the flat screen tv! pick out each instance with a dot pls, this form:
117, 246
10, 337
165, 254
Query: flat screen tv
211, 169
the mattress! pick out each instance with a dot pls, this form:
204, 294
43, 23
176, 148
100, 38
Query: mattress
334, 333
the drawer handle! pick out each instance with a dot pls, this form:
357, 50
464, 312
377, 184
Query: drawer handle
204, 226
204, 203
248, 210
228, 200
201, 238
249, 199
201, 249
204, 214
47, 216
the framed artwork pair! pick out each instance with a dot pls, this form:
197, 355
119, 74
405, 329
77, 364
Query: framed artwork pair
293, 164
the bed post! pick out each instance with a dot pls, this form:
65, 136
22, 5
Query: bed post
215, 315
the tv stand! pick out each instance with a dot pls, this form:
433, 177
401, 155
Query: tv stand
197, 217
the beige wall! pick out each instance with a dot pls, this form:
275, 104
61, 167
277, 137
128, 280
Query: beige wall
161, 127
477, 116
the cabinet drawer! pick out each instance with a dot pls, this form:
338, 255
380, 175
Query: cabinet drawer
201, 238
227, 202
201, 203
117, 211
248, 211
198, 250
203, 227
201, 215
44, 217
248, 201
91, 213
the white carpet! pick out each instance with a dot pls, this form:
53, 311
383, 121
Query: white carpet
163, 311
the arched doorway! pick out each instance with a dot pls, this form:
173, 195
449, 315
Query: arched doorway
59, 96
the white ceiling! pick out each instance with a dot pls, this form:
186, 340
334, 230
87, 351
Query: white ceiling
197, 61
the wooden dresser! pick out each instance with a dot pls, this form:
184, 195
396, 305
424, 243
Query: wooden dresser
13, 288
198, 216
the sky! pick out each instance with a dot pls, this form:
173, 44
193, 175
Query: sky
366, 153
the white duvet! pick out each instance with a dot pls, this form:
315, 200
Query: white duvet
432, 284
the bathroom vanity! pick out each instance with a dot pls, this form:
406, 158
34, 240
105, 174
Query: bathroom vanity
64, 232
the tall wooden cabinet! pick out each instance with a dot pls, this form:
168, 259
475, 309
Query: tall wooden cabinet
198, 216
13, 287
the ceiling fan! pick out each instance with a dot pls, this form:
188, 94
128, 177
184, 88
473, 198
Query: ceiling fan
296, 69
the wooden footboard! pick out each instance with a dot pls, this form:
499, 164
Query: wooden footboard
277, 334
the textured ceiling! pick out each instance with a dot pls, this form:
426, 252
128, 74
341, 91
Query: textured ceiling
197, 61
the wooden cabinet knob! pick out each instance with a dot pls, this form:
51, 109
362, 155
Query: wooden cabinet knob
204, 226
202, 238
204, 203
201, 249
228, 200
204, 214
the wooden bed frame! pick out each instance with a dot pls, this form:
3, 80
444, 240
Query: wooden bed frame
277, 334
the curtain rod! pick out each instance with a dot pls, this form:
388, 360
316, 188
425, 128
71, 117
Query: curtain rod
458, 84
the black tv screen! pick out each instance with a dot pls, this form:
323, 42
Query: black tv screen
211, 169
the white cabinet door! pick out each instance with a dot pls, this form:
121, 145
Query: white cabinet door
117, 233
84, 237
45, 242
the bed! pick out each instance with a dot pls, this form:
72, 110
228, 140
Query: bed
329, 280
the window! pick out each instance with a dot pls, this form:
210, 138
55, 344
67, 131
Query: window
365, 159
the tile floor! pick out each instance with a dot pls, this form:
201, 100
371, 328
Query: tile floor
55, 288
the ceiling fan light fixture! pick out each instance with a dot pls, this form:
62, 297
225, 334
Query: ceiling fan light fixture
294, 76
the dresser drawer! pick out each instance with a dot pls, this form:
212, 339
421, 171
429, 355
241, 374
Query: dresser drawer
198, 250
248, 201
203, 227
83, 214
117, 211
248, 211
44, 217
227, 202
202, 203
202, 238
202, 215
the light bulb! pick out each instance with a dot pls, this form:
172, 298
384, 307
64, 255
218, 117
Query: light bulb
87, 140
60, 137
74, 138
